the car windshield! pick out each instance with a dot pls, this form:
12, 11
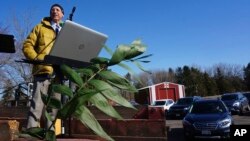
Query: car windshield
229, 97
185, 101
247, 95
157, 103
208, 107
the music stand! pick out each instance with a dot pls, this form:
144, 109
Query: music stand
56, 62
7, 43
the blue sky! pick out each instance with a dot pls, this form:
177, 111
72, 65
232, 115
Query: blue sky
176, 32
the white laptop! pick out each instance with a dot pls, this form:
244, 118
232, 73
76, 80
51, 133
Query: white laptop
76, 45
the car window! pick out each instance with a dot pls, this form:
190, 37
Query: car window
247, 95
229, 97
169, 102
159, 103
185, 101
241, 96
207, 108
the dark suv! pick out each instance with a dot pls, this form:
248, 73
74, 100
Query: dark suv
181, 107
207, 118
247, 95
236, 102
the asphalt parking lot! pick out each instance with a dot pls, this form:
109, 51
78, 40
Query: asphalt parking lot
175, 130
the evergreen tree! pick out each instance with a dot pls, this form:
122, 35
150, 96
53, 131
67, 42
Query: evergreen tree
210, 85
247, 76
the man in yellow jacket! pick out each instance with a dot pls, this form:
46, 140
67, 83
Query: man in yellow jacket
38, 44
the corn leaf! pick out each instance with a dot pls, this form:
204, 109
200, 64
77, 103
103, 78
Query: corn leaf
72, 75
102, 104
99, 60
143, 57
140, 67
117, 81
80, 98
108, 50
85, 71
50, 136
126, 52
51, 102
54, 103
68, 109
116, 97
100, 85
109, 92
86, 91
114, 77
119, 54
36, 132
62, 89
126, 67
48, 116
87, 118
129, 88
136, 49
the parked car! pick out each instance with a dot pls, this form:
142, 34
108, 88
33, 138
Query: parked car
181, 107
165, 103
247, 95
236, 102
207, 118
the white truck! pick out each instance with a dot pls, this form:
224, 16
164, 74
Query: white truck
164, 103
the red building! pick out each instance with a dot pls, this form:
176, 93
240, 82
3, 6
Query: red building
164, 90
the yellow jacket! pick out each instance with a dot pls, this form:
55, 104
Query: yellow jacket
38, 44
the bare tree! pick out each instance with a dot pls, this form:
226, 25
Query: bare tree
171, 76
160, 76
156, 76
229, 70
3, 29
12, 73
144, 78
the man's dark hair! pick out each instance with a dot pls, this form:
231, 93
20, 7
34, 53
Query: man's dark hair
57, 5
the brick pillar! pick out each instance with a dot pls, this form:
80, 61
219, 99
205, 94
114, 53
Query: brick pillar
9, 130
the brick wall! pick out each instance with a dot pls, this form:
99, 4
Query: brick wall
21, 112
18, 112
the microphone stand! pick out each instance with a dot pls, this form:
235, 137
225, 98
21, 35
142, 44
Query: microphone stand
71, 86
71, 14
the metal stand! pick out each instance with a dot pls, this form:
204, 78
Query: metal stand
56, 62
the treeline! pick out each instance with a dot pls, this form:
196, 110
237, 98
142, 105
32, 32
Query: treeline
216, 80
219, 79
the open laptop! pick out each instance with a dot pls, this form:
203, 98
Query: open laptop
76, 45
7, 43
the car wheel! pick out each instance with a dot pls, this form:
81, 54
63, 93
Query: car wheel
188, 137
166, 114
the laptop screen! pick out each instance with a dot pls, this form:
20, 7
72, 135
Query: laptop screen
77, 42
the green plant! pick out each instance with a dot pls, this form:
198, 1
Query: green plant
95, 84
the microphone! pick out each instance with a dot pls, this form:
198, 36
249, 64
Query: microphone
72, 12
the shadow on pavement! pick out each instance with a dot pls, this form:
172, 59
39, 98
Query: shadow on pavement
247, 114
176, 134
